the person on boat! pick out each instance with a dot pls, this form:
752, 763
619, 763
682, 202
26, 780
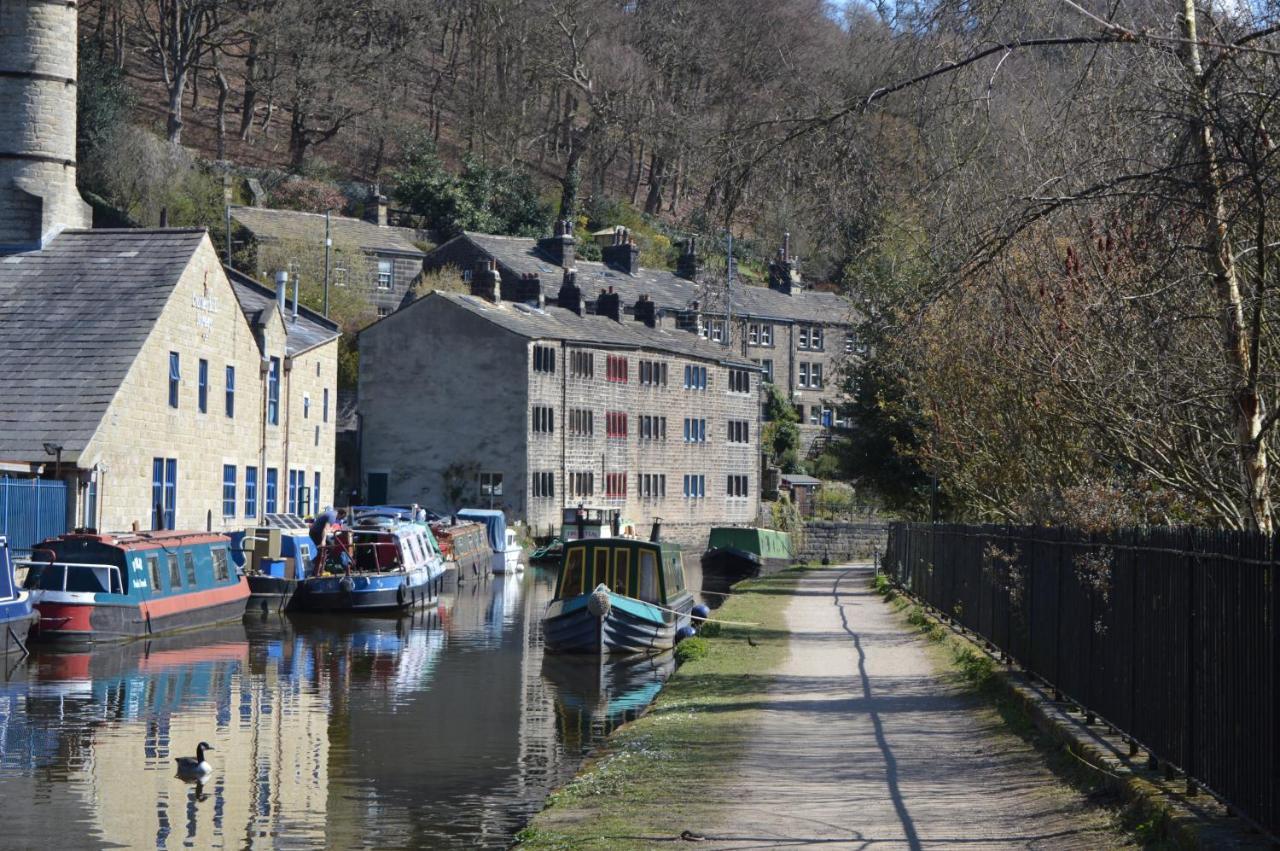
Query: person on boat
319, 530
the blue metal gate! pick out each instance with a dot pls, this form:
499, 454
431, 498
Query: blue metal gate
30, 511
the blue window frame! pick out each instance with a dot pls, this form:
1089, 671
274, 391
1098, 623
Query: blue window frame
695, 487
306, 407
273, 393
273, 479
325, 409
203, 396
231, 391
251, 492
293, 492
315, 494
175, 378
164, 492
228, 490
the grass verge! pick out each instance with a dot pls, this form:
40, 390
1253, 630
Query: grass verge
644, 787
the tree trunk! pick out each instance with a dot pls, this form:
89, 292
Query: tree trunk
569, 183
657, 177
249, 103
1245, 401
177, 85
224, 92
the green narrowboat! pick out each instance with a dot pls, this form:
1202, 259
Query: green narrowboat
741, 552
616, 596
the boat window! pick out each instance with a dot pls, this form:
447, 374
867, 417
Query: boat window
621, 571
674, 576
600, 571
175, 576
189, 562
220, 564
91, 580
50, 577
648, 585
571, 579
153, 563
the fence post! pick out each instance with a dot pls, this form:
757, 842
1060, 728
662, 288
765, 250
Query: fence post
35, 497
1057, 617
1190, 540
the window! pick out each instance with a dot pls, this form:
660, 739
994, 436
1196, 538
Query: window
250, 491
220, 571
317, 441
153, 566
491, 484
753, 334
231, 391
739, 381
802, 337
164, 492
718, 330
653, 485
695, 430
739, 431
544, 485
292, 501
228, 490
273, 480
653, 427
582, 483
202, 396
571, 580
695, 486
315, 495
653, 373
648, 585
306, 406
189, 563
767, 365
760, 334
273, 393
544, 359
814, 415
616, 369
810, 338
615, 485
175, 573
736, 488
544, 419
616, 424
581, 422
175, 378
695, 378
386, 274
811, 375
850, 344
582, 364
324, 408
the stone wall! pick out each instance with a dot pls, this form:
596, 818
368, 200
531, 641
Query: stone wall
838, 540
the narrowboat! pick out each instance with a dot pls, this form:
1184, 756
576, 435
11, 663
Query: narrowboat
104, 587
616, 596
741, 552
274, 558
378, 564
464, 544
581, 523
502, 539
16, 613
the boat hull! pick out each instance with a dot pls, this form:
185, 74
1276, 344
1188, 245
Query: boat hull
628, 627
65, 619
732, 564
507, 561
16, 621
270, 592
392, 591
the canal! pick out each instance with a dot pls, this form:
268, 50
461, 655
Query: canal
443, 730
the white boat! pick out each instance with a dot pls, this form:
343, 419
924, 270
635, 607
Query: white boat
507, 560
502, 540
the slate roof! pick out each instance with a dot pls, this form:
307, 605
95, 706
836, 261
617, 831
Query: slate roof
558, 323
73, 318
309, 331
797, 479
669, 291
275, 225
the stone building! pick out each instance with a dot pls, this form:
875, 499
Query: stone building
532, 407
169, 394
381, 262
801, 338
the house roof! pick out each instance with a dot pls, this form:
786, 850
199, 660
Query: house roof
310, 330
558, 323
520, 255
73, 318
801, 480
290, 225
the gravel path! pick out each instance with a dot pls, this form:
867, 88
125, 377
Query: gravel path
865, 744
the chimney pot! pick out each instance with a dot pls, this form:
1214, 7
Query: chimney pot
560, 247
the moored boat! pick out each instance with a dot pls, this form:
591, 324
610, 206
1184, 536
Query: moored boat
464, 544
377, 565
274, 558
618, 596
741, 552
104, 587
502, 539
16, 613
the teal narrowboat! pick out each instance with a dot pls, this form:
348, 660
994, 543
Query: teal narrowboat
616, 596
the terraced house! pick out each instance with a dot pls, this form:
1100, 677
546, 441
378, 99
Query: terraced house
801, 338
536, 405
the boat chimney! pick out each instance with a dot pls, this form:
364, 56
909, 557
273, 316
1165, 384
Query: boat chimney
655, 534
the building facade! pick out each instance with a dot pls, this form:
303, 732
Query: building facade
801, 338
534, 407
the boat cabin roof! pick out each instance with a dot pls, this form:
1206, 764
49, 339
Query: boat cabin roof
767, 543
648, 571
136, 541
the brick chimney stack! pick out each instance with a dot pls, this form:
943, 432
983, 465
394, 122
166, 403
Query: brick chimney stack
623, 255
570, 296
529, 290
646, 311
486, 283
560, 247
783, 275
609, 304
688, 265
38, 195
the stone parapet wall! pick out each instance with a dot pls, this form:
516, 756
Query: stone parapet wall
839, 540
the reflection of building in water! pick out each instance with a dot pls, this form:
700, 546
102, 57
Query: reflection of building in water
133, 712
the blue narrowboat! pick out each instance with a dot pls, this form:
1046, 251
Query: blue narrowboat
379, 564
618, 596
274, 558
103, 587
16, 614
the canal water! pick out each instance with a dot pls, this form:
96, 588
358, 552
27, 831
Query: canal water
443, 730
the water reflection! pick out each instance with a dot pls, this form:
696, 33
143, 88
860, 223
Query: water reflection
444, 729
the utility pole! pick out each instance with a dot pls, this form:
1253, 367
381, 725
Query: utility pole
728, 322
228, 223
328, 246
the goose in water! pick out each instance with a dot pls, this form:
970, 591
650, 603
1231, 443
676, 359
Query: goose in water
195, 766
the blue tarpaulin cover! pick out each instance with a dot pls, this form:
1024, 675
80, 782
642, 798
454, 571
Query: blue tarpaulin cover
494, 521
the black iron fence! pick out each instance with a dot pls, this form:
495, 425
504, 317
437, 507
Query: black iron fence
1168, 634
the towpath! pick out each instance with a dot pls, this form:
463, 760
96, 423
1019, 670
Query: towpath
864, 743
